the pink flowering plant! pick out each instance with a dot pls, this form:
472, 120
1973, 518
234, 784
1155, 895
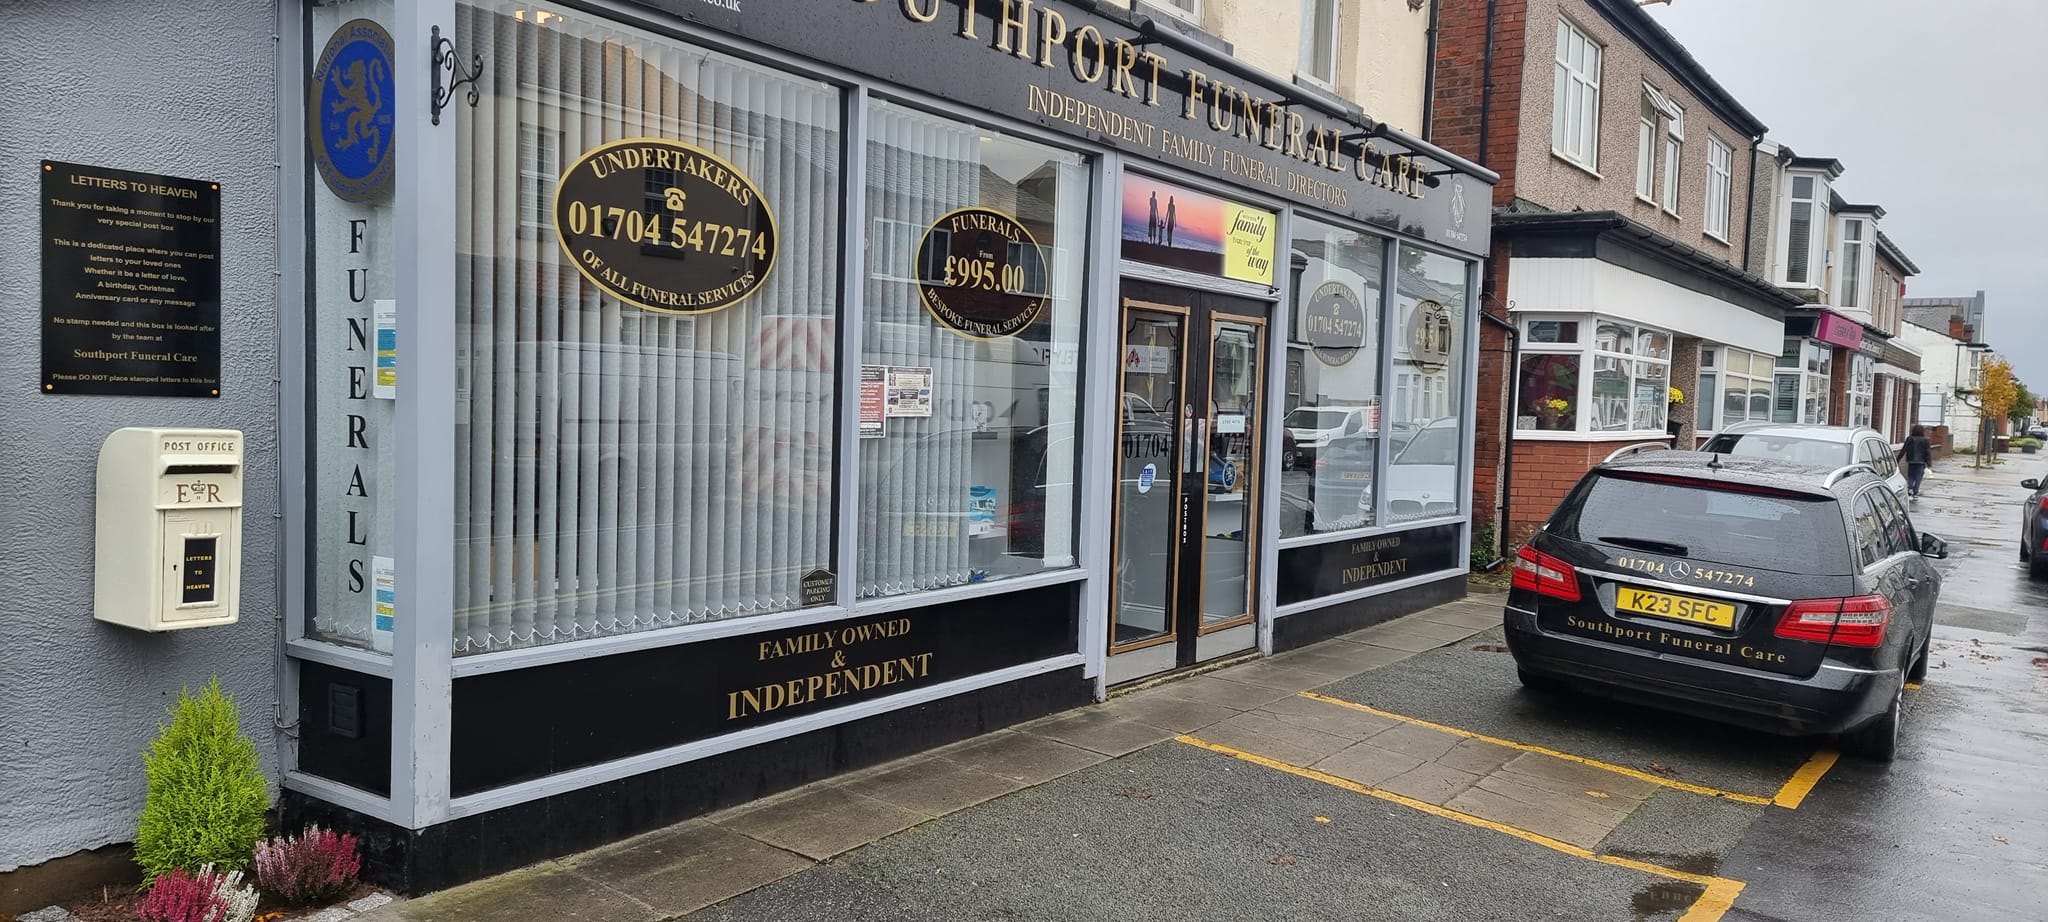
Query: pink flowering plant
209, 896
314, 866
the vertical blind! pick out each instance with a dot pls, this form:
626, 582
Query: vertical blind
619, 469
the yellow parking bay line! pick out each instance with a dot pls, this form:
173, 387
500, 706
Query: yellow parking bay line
1801, 784
1708, 907
1582, 760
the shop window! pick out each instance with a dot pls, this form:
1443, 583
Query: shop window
972, 327
1427, 430
352, 488
1620, 382
626, 461
1334, 425
1549, 393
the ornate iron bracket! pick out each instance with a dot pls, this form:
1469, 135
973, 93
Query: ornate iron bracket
442, 59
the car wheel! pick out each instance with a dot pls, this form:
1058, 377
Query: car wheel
1878, 740
2038, 568
1538, 683
1918, 672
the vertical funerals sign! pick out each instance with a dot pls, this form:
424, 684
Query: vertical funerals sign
131, 283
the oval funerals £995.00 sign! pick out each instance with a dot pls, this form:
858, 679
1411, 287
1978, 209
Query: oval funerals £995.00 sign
665, 226
981, 273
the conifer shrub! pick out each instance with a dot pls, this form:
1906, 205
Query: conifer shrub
207, 795
315, 866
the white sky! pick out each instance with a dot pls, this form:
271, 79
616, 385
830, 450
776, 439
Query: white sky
1938, 112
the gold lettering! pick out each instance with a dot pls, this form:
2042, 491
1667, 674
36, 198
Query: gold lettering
1152, 86
1015, 22
1297, 127
1052, 32
967, 19
910, 9
1082, 38
1221, 115
1126, 58
1195, 81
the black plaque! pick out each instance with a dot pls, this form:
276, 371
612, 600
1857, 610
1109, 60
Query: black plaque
981, 274
1333, 323
664, 225
819, 587
1316, 570
131, 283
199, 569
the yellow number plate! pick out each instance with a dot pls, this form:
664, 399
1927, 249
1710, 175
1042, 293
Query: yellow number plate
1355, 475
1676, 607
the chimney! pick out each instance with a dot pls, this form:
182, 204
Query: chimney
1957, 330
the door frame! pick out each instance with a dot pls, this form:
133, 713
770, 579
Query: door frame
1116, 507
1255, 507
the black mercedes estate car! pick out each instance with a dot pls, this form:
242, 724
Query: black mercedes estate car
1788, 599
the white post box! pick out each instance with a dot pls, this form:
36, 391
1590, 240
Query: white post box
169, 528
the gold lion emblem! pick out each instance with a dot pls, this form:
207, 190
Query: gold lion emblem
361, 100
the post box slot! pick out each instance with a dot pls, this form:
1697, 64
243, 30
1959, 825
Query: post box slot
198, 469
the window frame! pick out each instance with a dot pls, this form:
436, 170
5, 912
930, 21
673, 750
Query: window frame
1674, 156
1723, 371
1304, 62
1190, 10
1854, 261
1587, 79
1720, 184
1587, 350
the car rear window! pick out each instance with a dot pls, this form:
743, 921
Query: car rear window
1815, 452
1766, 530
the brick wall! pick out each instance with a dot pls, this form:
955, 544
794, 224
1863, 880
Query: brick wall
1685, 375
1461, 85
1494, 381
1544, 472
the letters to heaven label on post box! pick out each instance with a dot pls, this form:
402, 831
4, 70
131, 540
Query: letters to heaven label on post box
199, 570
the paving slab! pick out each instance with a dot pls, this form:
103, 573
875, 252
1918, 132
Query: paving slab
1350, 651
1274, 738
1213, 689
1405, 641
1590, 805
1102, 731
1556, 824
544, 891
820, 822
1284, 678
688, 866
1367, 764
933, 786
1023, 758
1333, 719
1166, 711
1431, 782
1566, 777
1477, 756
1421, 742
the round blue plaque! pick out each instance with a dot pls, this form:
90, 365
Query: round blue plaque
350, 124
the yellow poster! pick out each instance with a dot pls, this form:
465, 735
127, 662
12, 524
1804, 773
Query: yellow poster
1248, 243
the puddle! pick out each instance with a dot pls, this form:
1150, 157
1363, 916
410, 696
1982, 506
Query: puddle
1664, 897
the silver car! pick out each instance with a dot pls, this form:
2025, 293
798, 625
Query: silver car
1820, 446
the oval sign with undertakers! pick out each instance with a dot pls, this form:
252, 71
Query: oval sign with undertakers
981, 274
665, 225
1334, 323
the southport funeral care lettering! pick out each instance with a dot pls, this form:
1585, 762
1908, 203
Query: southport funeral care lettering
840, 676
131, 283
1722, 648
1039, 32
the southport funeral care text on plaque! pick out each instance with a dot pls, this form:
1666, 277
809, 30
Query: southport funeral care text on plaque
131, 283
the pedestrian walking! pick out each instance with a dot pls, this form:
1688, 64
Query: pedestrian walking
1917, 454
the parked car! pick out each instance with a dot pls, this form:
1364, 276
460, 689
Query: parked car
1787, 598
2034, 529
1314, 427
1422, 479
1342, 485
2038, 431
1822, 446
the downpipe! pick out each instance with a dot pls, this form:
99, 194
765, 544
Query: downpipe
1507, 442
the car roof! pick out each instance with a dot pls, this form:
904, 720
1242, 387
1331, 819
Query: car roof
1796, 430
1775, 473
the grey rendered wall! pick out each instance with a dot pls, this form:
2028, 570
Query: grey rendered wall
186, 88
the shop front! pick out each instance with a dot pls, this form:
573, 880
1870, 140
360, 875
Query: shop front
698, 403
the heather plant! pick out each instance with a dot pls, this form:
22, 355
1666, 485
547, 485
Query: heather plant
178, 896
207, 796
312, 867
237, 900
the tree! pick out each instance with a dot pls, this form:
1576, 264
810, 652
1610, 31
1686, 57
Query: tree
1996, 395
2022, 405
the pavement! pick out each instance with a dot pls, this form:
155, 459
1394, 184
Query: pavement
1401, 773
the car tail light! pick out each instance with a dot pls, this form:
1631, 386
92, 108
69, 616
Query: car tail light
1852, 622
1545, 574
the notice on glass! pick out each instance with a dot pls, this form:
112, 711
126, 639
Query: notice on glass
385, 313
131, 283
908, 390
873, 409
383, 602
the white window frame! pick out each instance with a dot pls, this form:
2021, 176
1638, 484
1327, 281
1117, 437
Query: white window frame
1646, 146
1589, 353
1724, 371
1817, 230
1305, 65
1185, 9
1862, 387
1720, 184
1854, 262
1674, 155
1570, 136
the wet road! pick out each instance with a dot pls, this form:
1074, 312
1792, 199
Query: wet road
1957, 827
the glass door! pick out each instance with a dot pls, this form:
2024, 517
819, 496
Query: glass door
1186, 513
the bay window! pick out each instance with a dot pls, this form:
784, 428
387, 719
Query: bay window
1628, 388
